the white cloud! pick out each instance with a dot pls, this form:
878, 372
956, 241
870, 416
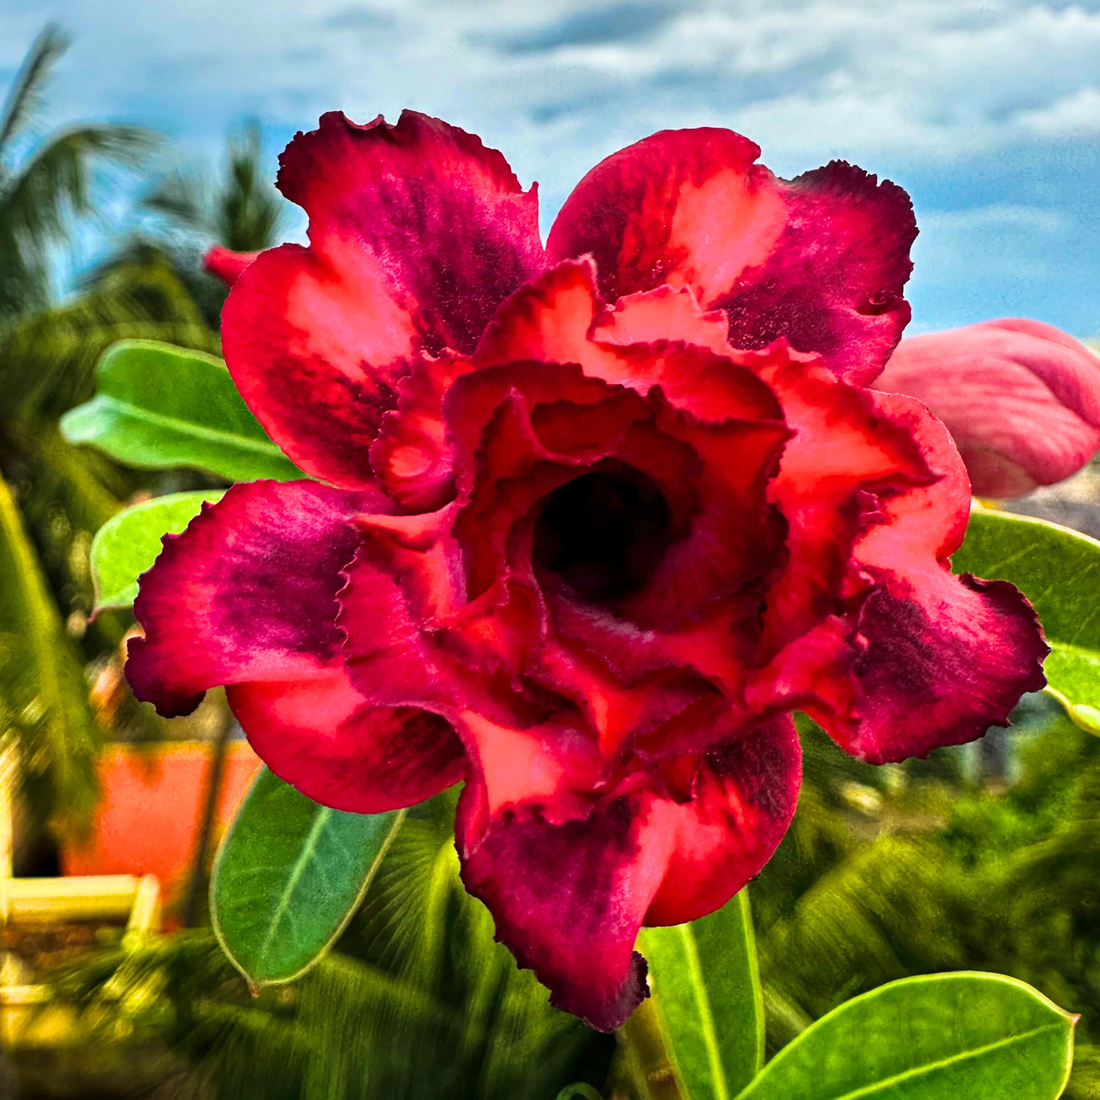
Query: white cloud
1071, 115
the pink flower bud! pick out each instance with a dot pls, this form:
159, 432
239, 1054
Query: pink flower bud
226, 264
1022, 399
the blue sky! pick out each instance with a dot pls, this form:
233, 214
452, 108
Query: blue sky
988, 113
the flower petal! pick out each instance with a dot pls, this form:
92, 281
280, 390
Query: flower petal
246, 592
820, 260
417, 233
928, 659
246, 597
745, 796
1020, 398
324, 738
569, 896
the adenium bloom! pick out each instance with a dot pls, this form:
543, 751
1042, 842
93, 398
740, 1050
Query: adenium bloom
1022, 399
591, 520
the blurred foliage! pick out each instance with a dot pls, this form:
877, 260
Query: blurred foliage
186, 211
43, 181
935, 866
55, 496
418, 1001
982, 857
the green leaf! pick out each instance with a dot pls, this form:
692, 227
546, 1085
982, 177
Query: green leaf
940, 1037
128, 543
706, 989
1058, 570
288, 877
159, 406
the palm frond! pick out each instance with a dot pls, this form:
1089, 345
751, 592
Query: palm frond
48, 358
43, 694
248, 208
25, 96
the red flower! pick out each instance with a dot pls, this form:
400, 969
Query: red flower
579, 551
1021, 399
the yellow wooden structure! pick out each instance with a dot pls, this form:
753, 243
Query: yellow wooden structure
26, 1015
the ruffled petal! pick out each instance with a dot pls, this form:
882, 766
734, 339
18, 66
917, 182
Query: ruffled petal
569, 895
246, 592
1020, 398
928, 659
821, 260
417, 233
246, 597
744, 798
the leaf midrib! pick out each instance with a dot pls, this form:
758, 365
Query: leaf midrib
706, 1017
309, 848
189, 427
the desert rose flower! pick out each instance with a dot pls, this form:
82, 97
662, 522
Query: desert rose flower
591, 519
1020, 398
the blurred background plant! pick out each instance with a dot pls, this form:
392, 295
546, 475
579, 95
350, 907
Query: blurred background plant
54, 496
967, 860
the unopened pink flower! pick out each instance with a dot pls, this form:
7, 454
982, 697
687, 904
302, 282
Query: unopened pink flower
1020, 398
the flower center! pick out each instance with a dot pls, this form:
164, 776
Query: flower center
604, 533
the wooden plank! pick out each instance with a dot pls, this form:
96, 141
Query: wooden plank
77, 898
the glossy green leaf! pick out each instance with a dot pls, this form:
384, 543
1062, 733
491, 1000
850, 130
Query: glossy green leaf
161, 406
940, 1037
288, 876
128, 543
706, 989
1059, 571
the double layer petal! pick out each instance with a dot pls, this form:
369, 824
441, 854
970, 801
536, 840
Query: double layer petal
569, 895
1020, 398
604, 516
820, 260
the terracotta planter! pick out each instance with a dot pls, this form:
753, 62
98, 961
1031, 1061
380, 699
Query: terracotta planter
148, 819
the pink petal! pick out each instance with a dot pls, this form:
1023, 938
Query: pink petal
926, 659
417, 233
821, 260
1020, 398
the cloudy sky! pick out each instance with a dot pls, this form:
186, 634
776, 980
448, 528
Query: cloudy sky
988, 113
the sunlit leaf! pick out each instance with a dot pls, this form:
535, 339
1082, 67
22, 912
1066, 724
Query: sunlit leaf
706, 989
940, 1037
128, 543
161, 406
1059, 571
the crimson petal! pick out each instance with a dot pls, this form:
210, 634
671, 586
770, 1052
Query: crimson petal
930, 659
246, 597
821, 260
417, 233
569, 896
